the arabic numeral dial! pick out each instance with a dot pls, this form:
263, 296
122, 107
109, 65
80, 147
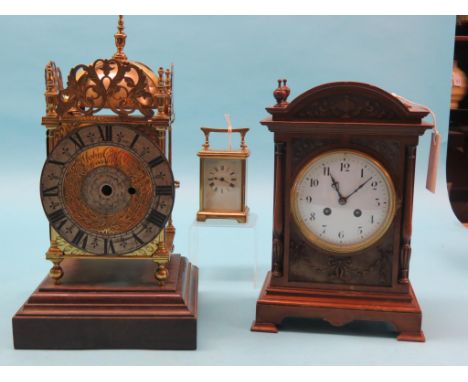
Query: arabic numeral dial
343, 200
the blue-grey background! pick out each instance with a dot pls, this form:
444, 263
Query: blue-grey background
231, 64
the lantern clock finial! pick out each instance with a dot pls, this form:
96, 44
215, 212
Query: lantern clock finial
120, 38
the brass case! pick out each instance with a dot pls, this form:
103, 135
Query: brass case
241, 155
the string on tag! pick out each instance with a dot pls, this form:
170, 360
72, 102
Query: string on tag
227, 117
434, 152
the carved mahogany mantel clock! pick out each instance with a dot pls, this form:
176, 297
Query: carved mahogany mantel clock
108, 192
343, 197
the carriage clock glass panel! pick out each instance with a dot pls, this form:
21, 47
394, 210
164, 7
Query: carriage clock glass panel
343, 200
222, 179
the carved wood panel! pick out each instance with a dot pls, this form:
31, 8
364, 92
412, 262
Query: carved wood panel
347, 107
310, 264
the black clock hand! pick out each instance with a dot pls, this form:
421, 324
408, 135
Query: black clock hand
358, 188
336, 187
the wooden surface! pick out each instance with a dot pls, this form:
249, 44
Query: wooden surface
114, 304
384, 126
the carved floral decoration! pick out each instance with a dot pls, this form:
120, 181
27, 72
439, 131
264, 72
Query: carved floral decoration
347, 106
342, 268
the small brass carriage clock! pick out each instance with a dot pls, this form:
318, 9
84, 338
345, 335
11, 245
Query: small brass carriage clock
108, 192
343, 200
223, 175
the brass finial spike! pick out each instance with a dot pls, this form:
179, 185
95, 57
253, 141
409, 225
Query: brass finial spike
120, 38
120, 25
160, 74
168, 78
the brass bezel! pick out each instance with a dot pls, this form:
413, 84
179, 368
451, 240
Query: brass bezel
316, 240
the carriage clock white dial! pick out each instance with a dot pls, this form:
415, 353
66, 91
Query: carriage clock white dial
223, 180
343, 201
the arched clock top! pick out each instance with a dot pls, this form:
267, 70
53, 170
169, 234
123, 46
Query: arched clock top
344, 102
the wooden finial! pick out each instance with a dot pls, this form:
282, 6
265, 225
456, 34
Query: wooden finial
281, 93
120, 38
286, 90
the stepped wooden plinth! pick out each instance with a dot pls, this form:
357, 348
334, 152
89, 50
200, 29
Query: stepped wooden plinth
111, 304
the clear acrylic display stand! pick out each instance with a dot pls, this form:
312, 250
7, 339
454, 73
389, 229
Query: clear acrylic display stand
227, 245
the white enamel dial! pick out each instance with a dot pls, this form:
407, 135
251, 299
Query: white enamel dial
222, 184
343, 201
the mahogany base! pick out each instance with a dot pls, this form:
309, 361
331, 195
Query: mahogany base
111, 304
338, 308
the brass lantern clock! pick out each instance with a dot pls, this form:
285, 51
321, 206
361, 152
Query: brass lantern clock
108, 191
343, 200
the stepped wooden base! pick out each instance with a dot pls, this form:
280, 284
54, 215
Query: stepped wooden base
111, 304
338, 308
